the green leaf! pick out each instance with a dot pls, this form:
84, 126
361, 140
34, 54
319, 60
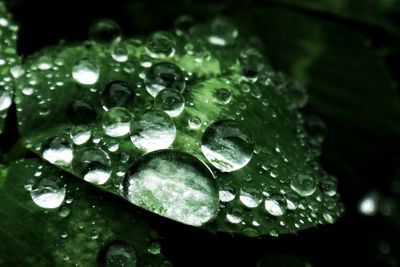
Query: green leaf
240, 119
8, 62
51, 219
348, 83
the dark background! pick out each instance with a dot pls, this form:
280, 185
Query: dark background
348, 55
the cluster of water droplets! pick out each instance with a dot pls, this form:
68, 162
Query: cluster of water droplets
144, 117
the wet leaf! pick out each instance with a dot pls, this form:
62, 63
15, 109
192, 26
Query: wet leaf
8, 62
90, 109
51, 219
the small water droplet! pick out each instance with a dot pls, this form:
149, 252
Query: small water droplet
80, 135
175, 185
227, 193
223, 95
303, 184
154, 248
85, 72
234, 215
57, 150
164, 75
250, 197
227, 145
27, 91
81, 112
275, 205
194, 123
170, 101
329, 185
119, 53
160, 45
93, 164
116, 122
64, 211
153, 130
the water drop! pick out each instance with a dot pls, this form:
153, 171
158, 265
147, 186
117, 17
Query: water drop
154, 249
175, 185
48, 191
116, 122
27, 91
234, 215
64, 211
252, 63
194, 123
227, 145
117, 94
250, 197
81, 112
164, 75
80, 135
222, 32
329, 185
303, 184
93, 164
105, 31
5, 99
227, 193
223, 95
153, 130
369, 204
275, 205
160, 45
57, 150
119, 53
85, 72
170, 101
117, 254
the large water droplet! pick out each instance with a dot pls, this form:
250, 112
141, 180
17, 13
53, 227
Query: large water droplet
57, 150
48, 190
154, 130
116, 122
5, 99
227, 145
222, 32
105, 31
275, 205
175, 185
303, 184
117, 254
93, 164
117, 94
80, 135
160, 45
164, 75
85, 72
170, 101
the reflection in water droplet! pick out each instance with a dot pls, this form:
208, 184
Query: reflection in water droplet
303, 184
93, 164
117, 254
154, 130
85, 72
48, 191
227, 193
234, 215
119, 53
227, 145
57, 150
275, 205
170, 101
116, 122
164, 75
175, 185
117, 94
